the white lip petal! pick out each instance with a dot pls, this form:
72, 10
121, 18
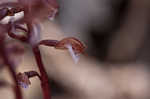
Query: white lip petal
72, 53
16, 17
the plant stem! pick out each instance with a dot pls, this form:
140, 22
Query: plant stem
44, 76
11, 68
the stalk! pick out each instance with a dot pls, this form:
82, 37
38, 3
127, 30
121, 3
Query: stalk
18, 93
44, 76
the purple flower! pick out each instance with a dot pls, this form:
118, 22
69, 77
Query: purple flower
23, 80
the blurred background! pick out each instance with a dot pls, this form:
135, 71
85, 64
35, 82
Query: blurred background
116, 63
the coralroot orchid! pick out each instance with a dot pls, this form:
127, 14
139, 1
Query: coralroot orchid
73, 45
77, 46
23, 80
31, 36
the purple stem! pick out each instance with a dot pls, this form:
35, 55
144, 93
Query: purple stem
18, 93
44, 76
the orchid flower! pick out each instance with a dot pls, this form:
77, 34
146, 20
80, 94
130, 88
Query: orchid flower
73, 45
23, 80
21, 21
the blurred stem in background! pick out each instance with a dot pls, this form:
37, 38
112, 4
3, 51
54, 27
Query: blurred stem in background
126, 43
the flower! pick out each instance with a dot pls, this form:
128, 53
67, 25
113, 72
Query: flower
23, 80
74, 46
39, 8
77, 46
